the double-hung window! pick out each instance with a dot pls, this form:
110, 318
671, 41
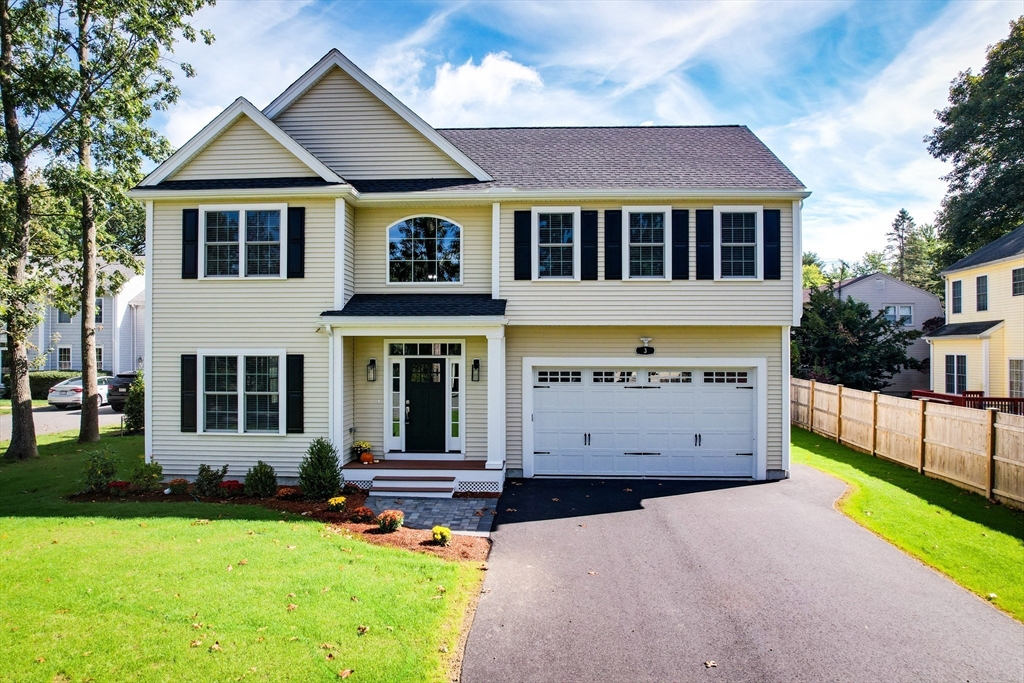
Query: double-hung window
99, 357
99, 311
1018, 282
899, 312
556, 240
1017, 378
958, 296
64, 358
956, 374
738, 238
981, 290
647, 234
243, 241
63, 318
242, 392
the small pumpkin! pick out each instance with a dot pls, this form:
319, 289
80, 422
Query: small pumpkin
366, 457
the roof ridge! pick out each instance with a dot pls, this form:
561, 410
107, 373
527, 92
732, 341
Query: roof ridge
637, 126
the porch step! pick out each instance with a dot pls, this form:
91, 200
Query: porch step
409, 479
413, 491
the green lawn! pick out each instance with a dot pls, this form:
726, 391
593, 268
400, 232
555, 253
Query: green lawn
978, 544
154, 592
5, 405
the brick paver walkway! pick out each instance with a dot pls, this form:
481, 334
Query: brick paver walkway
458, 514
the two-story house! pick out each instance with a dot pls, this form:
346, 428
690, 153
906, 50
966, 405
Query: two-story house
981, 346
473, 302
897, 301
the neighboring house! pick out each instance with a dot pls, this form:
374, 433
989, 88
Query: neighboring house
472, 302
898, 301
981, 346
120, 330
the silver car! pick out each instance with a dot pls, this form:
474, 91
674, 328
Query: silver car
68, 394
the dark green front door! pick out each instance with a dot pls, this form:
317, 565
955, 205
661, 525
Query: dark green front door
424, 405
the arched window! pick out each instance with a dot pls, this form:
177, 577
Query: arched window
424, 249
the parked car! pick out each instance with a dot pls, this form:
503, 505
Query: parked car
68, 394
118, 390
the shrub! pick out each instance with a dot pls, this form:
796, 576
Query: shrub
261, 481
207, 480
363, 515
350, 489
319, 476
336, 504
230, 488
118, 488
135, 406
442, 535
100, 469
390, 520
179, 487
147, 477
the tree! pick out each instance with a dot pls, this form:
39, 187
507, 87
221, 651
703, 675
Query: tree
842, 342
112, 62
813, 276
982, 134
900, 237
873, 262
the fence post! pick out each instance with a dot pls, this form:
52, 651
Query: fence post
924, 421
990, 474
839, 413
874, 422
811, 411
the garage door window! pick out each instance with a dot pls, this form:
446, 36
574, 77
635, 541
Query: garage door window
669, 377
614, 376
725, 377
564, 376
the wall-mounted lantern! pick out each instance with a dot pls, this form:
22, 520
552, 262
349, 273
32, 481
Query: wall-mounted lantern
371, 370
476, 370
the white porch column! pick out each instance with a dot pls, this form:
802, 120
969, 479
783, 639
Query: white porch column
984, 367
336, 394
496, 399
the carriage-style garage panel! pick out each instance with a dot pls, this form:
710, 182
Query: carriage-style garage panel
638, 418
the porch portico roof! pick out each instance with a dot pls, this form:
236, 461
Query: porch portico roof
420, 306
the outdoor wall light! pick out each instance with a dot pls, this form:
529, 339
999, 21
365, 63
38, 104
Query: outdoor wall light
476, 370
371, 370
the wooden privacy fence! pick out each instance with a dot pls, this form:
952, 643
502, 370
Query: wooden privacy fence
979, 450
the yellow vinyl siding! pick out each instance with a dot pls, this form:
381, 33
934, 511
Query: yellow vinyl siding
370, 256
669, 302
957, 347
358, 136
244, 151
690, 342
241, 313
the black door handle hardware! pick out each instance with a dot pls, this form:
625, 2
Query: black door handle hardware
542, 452
744, 454
700, 438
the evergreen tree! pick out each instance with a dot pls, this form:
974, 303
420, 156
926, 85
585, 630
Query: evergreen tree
900, 238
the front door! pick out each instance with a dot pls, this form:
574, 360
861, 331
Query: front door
424, 405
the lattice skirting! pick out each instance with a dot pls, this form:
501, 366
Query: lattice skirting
478, 487
364, 484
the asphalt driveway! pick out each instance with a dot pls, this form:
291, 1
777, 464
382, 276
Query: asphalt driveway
49, 420
591, 581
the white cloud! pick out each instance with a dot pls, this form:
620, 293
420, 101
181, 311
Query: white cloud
188, 120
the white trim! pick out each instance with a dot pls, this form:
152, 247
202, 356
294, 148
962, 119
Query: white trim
223, 121
495, 250
759, 364
786, 398
418, 327
985, 370
983, 335
282, 389
758, 246
496, 399
535, 212
952, 296
99, 354
1009, 376
798, 260
387, 253
148, 362
667, 210
340, 236
334, 58
242, 260
71, 358
337, 391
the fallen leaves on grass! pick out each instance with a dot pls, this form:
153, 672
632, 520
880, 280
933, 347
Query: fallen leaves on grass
230, 568
354, 599
195, 643
291, 547
329, 656
346, 673
200, 522
363, 630
215, 647
292, 606
40, 660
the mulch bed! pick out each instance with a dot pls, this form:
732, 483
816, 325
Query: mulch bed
461, 548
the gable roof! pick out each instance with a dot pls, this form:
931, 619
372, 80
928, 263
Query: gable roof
845, 284
334, 59
1010, 244
220, 124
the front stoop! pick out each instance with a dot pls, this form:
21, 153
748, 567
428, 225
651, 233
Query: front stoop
424, 478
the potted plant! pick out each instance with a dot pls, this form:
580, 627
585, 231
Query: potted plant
361, 450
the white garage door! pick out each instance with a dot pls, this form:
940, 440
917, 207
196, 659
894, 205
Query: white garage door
669, 422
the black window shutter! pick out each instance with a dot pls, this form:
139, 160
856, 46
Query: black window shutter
613, 244
588, 245
680, 244
773, 244
190, 244
189, 395
295, 394
296, 241
523, 248
705, 244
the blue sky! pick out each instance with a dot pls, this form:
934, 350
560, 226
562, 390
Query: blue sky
843, 92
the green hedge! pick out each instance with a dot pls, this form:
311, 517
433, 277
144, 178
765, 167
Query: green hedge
40, 382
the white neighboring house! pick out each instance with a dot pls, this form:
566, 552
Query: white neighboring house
120, 330
900, 301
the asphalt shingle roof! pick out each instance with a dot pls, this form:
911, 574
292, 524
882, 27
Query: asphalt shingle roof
406, 305
1010, 244
964, 329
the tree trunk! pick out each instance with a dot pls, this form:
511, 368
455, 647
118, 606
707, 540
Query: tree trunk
89, 430
23, 428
